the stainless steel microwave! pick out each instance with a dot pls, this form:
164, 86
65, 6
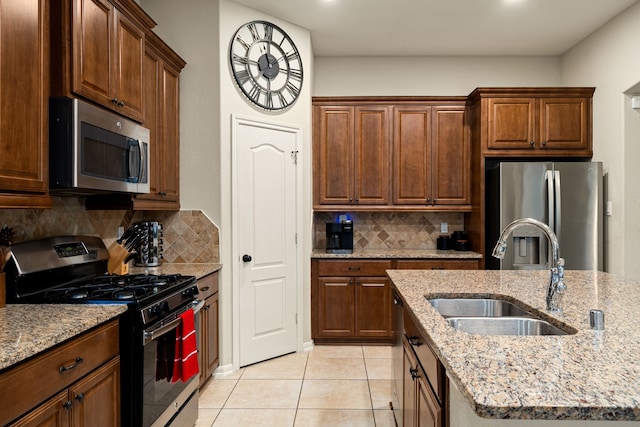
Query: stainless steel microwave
92, 150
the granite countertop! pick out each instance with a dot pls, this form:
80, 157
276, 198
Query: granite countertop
191, 269
400, 254
26, 329
590, 375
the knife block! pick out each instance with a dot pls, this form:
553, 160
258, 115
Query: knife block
117, 256
3, 291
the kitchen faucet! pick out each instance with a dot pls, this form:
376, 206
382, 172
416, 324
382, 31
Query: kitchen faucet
556, 280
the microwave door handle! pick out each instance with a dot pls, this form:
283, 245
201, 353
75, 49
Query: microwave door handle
143, 160
139, 159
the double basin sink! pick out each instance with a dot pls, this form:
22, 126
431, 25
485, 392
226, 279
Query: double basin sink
492, 316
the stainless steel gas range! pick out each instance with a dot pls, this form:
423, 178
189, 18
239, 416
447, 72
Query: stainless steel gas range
72, 269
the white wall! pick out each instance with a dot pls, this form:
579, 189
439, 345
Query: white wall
200, 31
429, 76
609, 60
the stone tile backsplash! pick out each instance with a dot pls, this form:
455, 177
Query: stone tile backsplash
188, 236
390, 230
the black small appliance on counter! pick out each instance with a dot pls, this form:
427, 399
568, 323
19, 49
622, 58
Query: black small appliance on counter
340, 237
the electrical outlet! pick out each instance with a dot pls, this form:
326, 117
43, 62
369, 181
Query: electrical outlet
120, 232
444, 228
609, 211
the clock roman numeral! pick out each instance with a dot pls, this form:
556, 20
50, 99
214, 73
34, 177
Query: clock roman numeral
240, 60
293, 56
293, 90
283, 100
295, 74
254, 93
268, 31
269, 100
242, 77
254, 31
243, 43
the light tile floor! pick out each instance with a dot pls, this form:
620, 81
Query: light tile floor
333, 386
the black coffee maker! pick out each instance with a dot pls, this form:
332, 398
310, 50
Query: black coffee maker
340, 237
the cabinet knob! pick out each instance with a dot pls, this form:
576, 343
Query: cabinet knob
67, 405
114, 101
80, 397
414, 373
544, 143
532, 143
246, 258
121, 103
414, 341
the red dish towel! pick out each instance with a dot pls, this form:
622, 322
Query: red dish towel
186, 357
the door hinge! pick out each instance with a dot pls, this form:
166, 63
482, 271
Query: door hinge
294, 156
296, 318
296, 239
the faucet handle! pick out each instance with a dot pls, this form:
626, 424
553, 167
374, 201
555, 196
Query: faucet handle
561, 267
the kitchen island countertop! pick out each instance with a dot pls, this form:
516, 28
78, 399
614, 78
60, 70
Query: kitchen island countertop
589, 375
28, 329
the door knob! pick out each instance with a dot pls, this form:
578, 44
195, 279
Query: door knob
246, 258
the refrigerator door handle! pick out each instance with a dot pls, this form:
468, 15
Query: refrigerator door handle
551, 200
558, 210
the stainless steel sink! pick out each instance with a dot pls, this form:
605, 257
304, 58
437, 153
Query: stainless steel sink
493, 316
480, 307
504, 326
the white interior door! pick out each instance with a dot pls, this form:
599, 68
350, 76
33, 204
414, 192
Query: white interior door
266, 240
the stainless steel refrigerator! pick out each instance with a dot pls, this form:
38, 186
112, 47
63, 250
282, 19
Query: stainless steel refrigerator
567, 196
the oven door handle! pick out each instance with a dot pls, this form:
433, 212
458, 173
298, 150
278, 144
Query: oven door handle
149, 336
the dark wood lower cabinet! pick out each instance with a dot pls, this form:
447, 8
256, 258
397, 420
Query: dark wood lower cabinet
424, 383
86, 394
208, 355
351, 301
351, 298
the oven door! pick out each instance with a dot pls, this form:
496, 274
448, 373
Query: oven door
163, 399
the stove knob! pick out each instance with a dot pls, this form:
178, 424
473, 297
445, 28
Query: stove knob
189, 293
156, 310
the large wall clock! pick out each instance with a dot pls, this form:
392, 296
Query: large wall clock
266, 65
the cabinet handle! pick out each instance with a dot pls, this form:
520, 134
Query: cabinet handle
204, 289
414, 341
414, 373
80, 397
353, 268
63, 368
532, 143
67, 405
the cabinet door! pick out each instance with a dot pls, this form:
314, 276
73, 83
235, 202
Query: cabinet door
169, 140
428, 411
151, 119
565, 123
411, 156
409, 371
129, 48
212, 334
373, 307
511, 123
334, 153
372, 154
335, 307
451, 151
94, 56
52, 413
96, 398
24, 79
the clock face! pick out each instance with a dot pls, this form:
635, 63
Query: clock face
266, 65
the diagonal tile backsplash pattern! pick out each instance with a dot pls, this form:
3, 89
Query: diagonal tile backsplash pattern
188, 236
390, 230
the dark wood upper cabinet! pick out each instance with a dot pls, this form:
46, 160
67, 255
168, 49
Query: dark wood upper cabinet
24, 79
391, 153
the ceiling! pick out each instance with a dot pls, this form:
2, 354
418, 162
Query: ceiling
443, 27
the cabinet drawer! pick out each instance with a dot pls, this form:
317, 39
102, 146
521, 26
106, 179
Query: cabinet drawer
353, 268
208, 285
36, 380
429, 362
436, 264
